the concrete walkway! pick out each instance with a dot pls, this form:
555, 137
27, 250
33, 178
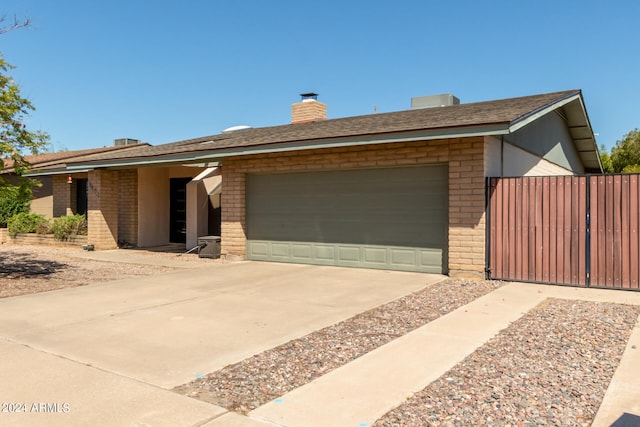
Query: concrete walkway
158, 258
354, 396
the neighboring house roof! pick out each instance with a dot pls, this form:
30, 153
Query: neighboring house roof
57, 160
498, 117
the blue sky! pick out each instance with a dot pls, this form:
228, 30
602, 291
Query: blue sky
163, 71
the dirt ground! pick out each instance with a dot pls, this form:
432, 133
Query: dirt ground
32, 269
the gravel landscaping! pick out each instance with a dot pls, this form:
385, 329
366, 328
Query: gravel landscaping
245, 385
551, 367
32, 269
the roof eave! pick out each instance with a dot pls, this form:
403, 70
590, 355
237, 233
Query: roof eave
590, 157
33, 174
220, 153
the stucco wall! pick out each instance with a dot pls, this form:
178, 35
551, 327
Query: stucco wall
504, 159
42, 202
465, 158
154, 202
549, 138
153, 207
184, 171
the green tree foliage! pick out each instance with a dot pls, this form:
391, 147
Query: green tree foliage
605, 159
15, 138
625, 155
13, 200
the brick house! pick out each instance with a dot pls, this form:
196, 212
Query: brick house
402, 190
52, 176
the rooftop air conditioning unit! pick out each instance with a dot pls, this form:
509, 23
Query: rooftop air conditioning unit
432, 101
125, 141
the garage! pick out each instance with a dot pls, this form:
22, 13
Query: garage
387, 218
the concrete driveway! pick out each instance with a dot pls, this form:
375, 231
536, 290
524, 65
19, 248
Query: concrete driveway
108, 354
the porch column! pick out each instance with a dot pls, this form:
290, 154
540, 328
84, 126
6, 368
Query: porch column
466, 208
202, 191
197, 212
103, 209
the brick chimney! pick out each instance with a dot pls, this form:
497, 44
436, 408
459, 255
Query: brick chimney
308, 110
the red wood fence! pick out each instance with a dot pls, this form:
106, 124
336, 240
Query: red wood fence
573, 230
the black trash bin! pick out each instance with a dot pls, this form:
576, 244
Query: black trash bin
209, 247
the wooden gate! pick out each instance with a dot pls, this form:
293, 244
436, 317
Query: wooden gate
570, 230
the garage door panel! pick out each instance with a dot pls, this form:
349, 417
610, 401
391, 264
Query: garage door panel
432, 257
379, 209
258, 250
279, 251
324, 253
376, 255
390, 258
403, 256
301, 251
348, 254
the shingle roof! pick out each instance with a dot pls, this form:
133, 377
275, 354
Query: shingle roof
505, 111
46, 159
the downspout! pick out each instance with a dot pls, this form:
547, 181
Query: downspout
487, 209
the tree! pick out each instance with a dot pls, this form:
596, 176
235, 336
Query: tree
605, 159
6, 26
15, 139
13, 200
625, 155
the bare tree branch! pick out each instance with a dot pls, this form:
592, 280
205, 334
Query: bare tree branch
7, 25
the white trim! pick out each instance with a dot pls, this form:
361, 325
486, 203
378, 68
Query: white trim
543, 112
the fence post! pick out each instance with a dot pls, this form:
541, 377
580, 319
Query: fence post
588, 235
487, 229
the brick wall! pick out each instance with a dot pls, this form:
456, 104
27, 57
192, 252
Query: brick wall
103, 198
45, 240
466, 207
128, 201
465, 158
308, 111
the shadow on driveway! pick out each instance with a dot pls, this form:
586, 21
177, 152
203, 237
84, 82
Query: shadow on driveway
23, 265
627, 420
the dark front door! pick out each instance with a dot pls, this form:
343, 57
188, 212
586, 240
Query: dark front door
81, 196
178, 210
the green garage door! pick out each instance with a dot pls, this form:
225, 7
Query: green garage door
391, 218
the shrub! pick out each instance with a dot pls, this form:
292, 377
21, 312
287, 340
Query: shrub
65, 227
13, 200
44, 228
26, 223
